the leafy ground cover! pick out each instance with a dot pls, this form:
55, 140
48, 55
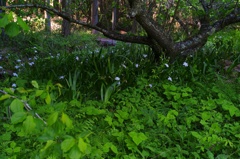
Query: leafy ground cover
69, 98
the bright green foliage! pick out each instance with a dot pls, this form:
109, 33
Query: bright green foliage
12, 26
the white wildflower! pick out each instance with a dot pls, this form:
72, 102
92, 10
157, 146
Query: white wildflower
35, 51
31, 63
18, 60
15, 74
77, 58
124, 66
185, 64
166, 65
117, 78
150, 85
14, 85
1, 67
137, 65
61, 77
170, 78
17, 67
144, 55
118, 83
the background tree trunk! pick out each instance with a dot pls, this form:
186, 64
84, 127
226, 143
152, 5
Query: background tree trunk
94, 14
47, 18
66, 25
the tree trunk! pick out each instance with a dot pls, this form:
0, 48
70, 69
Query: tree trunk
66, 25
47, 19
94, 14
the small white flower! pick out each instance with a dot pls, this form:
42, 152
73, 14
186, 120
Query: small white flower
185, 64
77, 58
117, 78
31, 63
1, 67
124, 66
166, 65
0, 57
118, 83
17, 67
34, 47
30, 59
14, 85
150, 85
35, 51
35, 57
144, 55
19, 60
61, 77
170, 78
137, 65
15, 74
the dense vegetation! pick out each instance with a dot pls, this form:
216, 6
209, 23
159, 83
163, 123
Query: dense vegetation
69, 98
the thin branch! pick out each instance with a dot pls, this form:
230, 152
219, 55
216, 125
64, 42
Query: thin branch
107, 33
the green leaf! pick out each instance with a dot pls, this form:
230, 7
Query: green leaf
5, 96
114, 149
67, 121
49, 144
12, 29
210, 155
29, 124
48, 99
93, 111
196, 135
82, 145
39, 92
23, 24
67, 144
4, 21
18, 117
137, 137
74, 153
52, 118
16, 106
109, 120
35, 84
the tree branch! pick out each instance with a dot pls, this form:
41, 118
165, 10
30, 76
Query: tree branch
107, 33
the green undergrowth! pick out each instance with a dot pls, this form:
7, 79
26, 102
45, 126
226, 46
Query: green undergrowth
166, 120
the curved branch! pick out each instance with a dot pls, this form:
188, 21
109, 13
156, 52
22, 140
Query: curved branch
201, 38
107, 33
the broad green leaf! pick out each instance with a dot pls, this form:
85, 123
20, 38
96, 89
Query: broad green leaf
16, 106
5, 96
4, 21
35, 84
39, 92
67, 144
196, 134
74, 153
114, 149
18, 117
210, 155
67, 121
29, 124
49, 144
52, 118
137, 137
82, 145
12, 29
48, 99
23, 24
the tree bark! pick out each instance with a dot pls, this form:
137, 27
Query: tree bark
66, 25
94, 15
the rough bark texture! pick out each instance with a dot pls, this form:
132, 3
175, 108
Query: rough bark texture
157, 36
